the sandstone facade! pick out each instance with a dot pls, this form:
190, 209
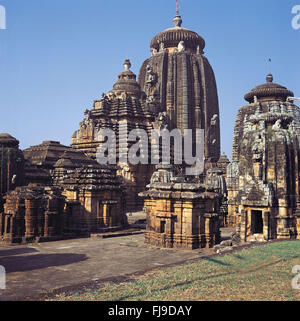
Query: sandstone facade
180, 215
122, 110
11, 165
263, 179
179, 80
32, 213
64, 194
176, 89
94, 194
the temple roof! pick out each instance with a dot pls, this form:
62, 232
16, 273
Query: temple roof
34, 174
89, 177
65, 161
127, 81
173, 36
8, 140
124, 100
269, 90
49, 152
223, 159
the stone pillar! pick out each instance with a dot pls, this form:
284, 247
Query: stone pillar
243, 225
2, 221
298, 226
267, 226
31, 207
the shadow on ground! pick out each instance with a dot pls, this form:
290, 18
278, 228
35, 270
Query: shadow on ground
16, 251
39, 261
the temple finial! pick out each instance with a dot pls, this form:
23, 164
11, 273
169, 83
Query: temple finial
269, 78
127, 64
177, 20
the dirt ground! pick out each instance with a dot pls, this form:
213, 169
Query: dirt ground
35, 270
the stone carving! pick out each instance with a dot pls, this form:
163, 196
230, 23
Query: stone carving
213, 121
151, 76
277, 124
161, 47
152, 86
153, 51
262, 124
161, 121
87, 114
181, 46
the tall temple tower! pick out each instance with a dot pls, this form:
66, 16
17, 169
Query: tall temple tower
179, 80
176, 89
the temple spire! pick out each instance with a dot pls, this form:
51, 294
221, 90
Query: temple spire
177, 8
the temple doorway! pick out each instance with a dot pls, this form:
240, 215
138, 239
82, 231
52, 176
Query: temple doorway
163, 227
257, 222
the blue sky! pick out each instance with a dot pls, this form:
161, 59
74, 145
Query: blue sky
57, 56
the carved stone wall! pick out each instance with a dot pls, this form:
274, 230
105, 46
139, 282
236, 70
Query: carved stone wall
180, 215
181, 82
12, 172
32, 213
94, 194
122, 110
263, 179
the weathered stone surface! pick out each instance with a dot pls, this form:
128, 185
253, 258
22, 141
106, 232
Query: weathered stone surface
179, 80
11, 165
31, 213
186, 216
94, 193
122, 110
45, 155
216, 180
263, 179
176, 89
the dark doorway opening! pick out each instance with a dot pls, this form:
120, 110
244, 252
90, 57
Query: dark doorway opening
257, 222
163, 227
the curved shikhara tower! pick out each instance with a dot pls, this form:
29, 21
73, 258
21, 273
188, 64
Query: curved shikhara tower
179, 80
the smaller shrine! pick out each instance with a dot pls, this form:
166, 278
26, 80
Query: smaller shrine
32, 213
179, 214
95, 200
263, 178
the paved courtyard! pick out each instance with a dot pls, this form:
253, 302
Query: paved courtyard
37, 269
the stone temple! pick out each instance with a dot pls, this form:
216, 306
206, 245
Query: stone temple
263, 178
51, 191
176, 89
179, 80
